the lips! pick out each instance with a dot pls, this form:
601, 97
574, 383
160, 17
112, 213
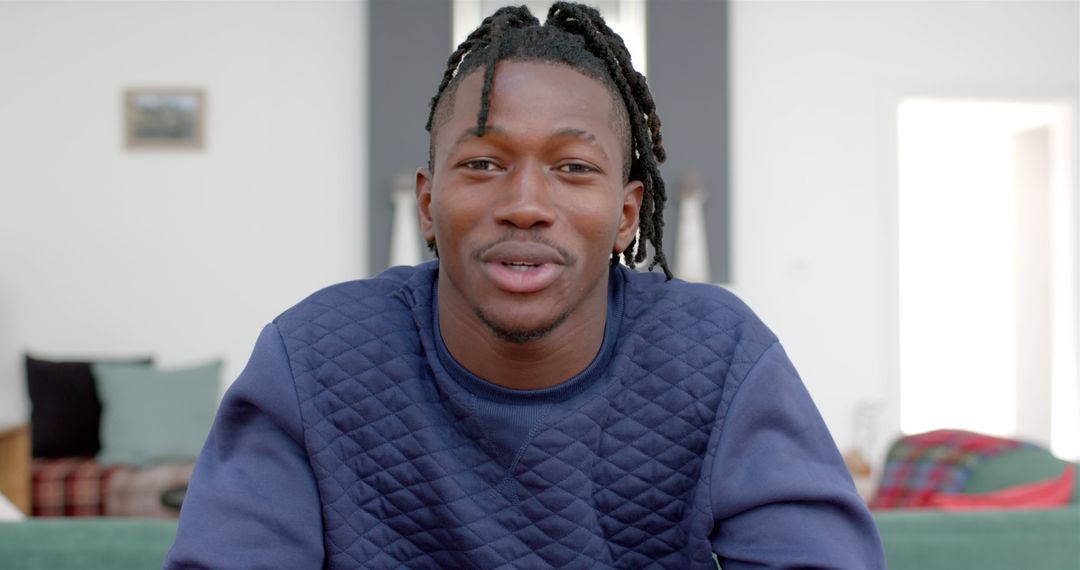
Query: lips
522, 267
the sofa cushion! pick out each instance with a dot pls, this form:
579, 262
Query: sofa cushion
919, 466
155, 415
65, 409
1016, 467
71, 487
1047, 494
140, 492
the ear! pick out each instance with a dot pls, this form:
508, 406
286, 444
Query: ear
423, 204
631, 211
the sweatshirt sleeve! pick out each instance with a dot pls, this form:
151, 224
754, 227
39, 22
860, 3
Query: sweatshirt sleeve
253, 501
781, 495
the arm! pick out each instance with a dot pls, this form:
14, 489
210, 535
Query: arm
253, 501
781, 495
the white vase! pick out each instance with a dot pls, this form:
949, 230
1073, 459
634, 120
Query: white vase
405, 248
692, 245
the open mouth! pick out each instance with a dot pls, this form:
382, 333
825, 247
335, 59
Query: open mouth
520, 265
522, 276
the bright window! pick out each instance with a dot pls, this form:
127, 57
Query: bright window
987, 234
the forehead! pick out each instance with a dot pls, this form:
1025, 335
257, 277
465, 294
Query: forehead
532, 94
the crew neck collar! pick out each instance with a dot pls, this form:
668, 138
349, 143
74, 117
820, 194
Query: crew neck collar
559, 392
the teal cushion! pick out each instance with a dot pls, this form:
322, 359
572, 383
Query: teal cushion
1017, 467
153, 415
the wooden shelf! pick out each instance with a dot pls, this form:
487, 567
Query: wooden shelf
15, 465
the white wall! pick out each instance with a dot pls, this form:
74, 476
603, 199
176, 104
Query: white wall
815, 88
184, 255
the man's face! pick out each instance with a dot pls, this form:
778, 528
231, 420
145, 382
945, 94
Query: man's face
527, 216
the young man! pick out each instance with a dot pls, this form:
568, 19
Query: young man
526, 401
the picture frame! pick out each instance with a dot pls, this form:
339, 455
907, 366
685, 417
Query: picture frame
164, 118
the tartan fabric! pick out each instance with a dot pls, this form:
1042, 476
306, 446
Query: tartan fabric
70, 487
137, 492
919, 466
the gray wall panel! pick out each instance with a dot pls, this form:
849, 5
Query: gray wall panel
688, 69
409, 44
688, 75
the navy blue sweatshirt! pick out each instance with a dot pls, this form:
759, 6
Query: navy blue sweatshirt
353, 439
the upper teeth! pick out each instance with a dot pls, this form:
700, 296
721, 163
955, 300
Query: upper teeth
522, 264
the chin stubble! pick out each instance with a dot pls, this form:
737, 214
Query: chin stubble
520, 335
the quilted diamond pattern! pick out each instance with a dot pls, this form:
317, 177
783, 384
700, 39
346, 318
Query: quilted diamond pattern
619, 477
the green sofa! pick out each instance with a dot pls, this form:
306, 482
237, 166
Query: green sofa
914, 539
1029, 540
85, 543
1048, 539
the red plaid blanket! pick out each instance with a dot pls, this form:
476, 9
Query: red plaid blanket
918, 466
70, 487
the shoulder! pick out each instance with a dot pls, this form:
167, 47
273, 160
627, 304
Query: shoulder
394, 291
699, 317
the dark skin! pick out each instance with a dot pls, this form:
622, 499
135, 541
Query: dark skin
526, 218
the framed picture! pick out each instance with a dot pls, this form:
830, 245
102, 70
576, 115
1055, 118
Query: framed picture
164, 118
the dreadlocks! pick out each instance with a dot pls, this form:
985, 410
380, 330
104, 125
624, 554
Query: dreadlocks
576, 36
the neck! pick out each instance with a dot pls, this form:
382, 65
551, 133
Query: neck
541, 363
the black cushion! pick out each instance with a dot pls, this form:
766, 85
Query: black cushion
65, 415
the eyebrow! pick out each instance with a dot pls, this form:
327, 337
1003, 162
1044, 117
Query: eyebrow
583, 136
580, 134
577, 134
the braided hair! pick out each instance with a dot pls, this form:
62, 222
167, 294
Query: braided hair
577, 36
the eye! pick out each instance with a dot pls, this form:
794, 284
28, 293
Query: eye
479, 164
576, 168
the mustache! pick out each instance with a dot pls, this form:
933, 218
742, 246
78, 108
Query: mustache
525, 236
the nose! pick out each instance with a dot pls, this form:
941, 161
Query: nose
526, 203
